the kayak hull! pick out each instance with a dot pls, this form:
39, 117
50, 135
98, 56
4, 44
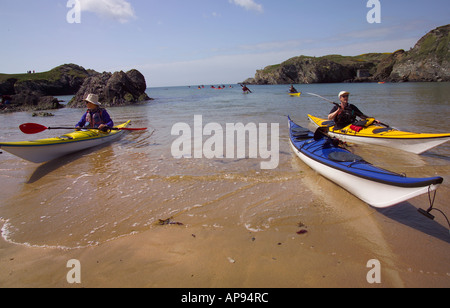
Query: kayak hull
378, 135
44, 150
295, 94
375, 186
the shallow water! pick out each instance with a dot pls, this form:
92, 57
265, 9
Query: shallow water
120, 189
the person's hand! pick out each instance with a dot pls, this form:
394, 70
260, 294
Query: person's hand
103, 127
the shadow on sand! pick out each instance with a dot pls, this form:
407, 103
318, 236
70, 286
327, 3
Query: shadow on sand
408, 215
55, 164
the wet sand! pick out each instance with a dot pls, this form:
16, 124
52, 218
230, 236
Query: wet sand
220, 244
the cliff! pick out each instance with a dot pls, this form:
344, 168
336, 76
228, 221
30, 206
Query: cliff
427, 61
327, 69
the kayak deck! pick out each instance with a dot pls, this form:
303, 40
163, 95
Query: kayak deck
43, 150
377, 187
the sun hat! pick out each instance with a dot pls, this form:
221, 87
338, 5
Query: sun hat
93, 98
343, 93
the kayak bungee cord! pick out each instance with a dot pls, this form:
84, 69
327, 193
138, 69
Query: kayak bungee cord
431, 208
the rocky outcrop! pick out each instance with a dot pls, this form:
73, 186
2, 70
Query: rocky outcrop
429, 60
328, 69
116, 89
36, 91
312, 70
63, 80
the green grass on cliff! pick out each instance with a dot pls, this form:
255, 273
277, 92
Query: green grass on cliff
52, 75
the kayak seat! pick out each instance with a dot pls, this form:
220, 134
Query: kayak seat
300, 133
300, 130
342, 157
328, 123
381, 130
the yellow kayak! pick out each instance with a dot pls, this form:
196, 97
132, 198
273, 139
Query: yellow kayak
44, 150
295, 94
385, 136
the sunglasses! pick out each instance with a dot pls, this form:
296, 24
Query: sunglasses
344, 95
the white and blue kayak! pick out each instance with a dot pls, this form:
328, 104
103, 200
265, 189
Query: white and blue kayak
377, 187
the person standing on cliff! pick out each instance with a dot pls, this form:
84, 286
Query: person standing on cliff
95, 116
345, 113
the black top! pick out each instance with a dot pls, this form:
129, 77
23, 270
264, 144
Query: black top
348, 116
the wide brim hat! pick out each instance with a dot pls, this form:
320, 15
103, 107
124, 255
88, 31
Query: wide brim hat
93, 98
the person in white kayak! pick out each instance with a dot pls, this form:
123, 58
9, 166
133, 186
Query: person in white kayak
345, 113
95, 116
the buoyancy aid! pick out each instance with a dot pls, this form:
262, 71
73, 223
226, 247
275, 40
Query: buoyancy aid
94, 118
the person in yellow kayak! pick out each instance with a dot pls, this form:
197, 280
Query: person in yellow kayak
345, 113
292, 89
95, 116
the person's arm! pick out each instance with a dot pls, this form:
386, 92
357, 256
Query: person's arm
362, 115
107, 119
334, 112
82, 122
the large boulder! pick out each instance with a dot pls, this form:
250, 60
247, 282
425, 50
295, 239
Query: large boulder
116, 89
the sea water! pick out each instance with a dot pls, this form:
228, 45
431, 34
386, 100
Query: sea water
127, 187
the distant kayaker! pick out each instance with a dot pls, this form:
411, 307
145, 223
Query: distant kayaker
292, 89
245, 89
345, 114
95, 116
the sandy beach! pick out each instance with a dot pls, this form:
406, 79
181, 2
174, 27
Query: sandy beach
333, 253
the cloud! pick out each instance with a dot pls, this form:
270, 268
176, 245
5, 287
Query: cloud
250, 5
120, 10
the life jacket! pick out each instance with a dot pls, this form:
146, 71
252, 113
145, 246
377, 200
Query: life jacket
347, 116
94, 118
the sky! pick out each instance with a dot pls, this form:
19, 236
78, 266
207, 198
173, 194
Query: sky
194, 42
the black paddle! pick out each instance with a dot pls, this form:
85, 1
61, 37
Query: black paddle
247, 88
